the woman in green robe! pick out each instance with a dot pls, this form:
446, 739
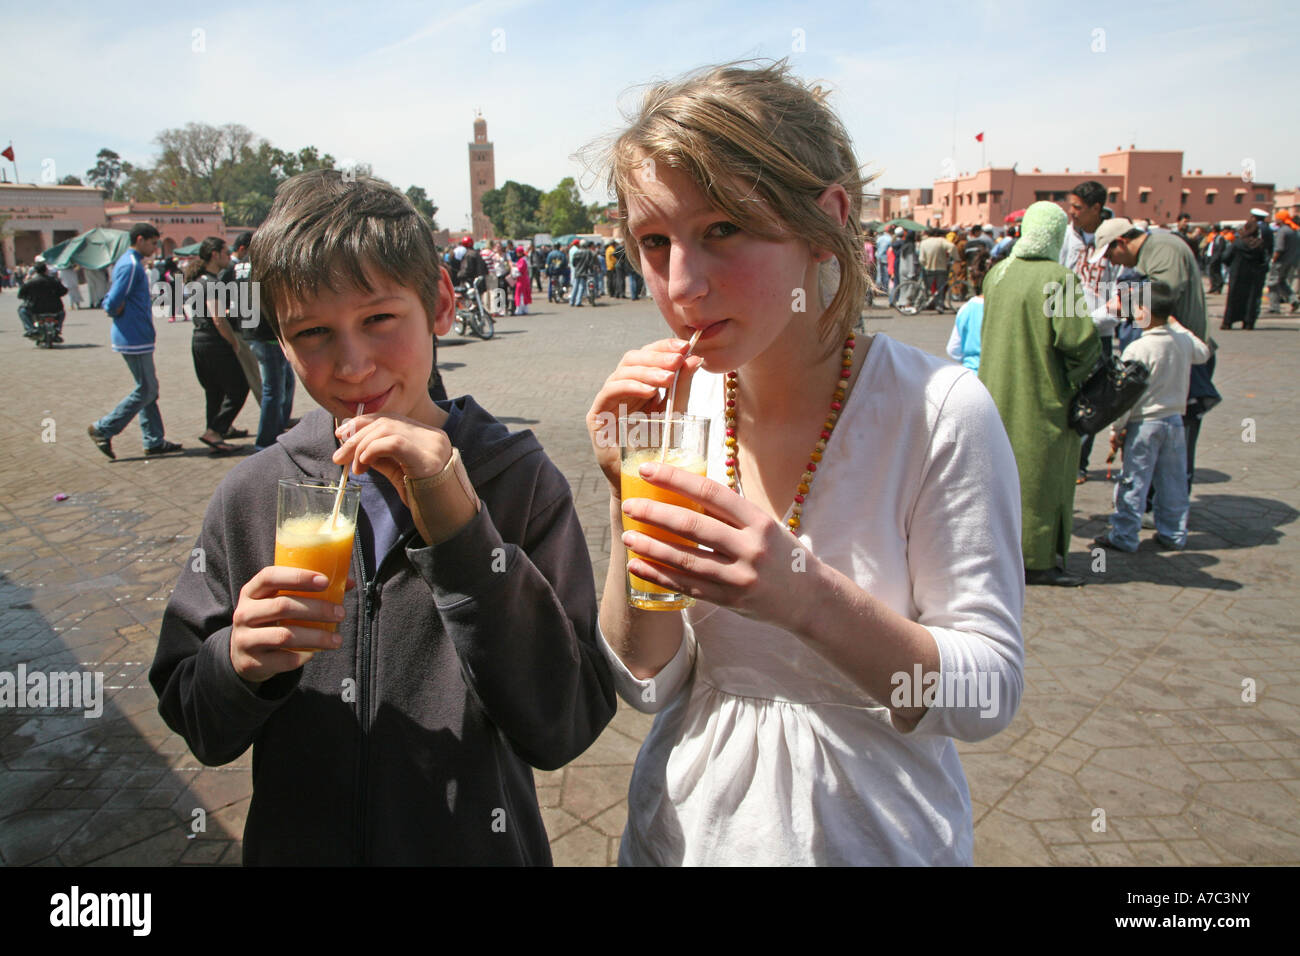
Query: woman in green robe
1036, 349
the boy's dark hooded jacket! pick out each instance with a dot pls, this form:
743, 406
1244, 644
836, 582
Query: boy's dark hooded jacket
461, 665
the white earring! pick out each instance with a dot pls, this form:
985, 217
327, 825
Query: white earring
828, 281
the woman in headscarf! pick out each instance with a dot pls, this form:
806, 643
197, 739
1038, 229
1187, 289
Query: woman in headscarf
1034, 355
1247, 261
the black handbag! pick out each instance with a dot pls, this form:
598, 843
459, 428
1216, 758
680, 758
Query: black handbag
1111, 389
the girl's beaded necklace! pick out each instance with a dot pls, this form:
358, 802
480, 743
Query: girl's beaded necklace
810, 471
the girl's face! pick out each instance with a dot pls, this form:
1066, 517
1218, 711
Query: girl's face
707, 273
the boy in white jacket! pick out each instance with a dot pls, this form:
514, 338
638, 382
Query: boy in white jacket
1151, 433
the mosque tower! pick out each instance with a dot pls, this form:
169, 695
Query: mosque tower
482, 177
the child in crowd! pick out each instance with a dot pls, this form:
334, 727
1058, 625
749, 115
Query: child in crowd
466, 653
1151, 433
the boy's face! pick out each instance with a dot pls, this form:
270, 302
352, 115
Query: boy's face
352, 347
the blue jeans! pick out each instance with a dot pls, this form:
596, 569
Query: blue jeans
143, 401
277, 391
27, 319
635, 280
1155, 454
579, 289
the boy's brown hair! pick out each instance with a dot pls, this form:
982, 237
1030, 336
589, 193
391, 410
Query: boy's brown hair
325, 230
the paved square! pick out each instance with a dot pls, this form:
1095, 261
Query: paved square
1161, 699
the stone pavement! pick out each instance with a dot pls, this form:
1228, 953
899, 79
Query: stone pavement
1138, 707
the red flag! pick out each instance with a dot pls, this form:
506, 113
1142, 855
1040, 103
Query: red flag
8, 153
979, 137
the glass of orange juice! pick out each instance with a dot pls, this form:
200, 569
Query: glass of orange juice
683, 441
308, 535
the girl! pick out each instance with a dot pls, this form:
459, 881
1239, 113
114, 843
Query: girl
861, 510
215, 349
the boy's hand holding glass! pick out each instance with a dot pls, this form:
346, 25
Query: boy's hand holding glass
260, 645
752, 566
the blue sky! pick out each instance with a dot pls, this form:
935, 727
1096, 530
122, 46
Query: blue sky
396, 84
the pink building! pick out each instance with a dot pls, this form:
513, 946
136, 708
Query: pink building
1140, 184
233, 232
892, 203
38, 217
1289, 200
178, 224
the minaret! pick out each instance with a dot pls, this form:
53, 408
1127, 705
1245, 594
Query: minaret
482, 177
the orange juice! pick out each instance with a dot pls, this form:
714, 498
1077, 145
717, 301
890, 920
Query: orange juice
316, 543
634, 486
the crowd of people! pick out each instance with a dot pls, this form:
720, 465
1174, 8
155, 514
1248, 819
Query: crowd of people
1078, 285
585, 269
938, 256
234, 351
473, 641
1141, 296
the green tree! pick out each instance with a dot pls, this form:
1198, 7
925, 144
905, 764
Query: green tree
200, 159
562, 211
514, 209
201, 163
107, 172
70, 181
139, 183
423, 204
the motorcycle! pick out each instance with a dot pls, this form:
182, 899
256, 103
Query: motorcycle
471, 316
47, 329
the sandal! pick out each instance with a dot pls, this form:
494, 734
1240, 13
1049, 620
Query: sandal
218, 447
236, 433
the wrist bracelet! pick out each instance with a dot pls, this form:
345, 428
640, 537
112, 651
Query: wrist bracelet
444, 503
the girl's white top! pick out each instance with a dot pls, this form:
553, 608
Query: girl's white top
762, 751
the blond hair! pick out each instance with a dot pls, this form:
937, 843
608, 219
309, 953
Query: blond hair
762, 146
328, 230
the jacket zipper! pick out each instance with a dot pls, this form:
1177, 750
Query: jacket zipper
363, 702
370, 588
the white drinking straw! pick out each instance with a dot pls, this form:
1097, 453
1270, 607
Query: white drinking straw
672, 396
343, 483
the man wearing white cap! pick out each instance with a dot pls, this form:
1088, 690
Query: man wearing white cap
1157, 255
1165, 257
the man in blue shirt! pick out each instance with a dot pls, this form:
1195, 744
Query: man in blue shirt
129, 306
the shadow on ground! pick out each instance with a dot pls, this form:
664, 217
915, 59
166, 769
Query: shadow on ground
1216, 523
80, 789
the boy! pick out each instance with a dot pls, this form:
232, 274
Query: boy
1152, 431
467, 649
